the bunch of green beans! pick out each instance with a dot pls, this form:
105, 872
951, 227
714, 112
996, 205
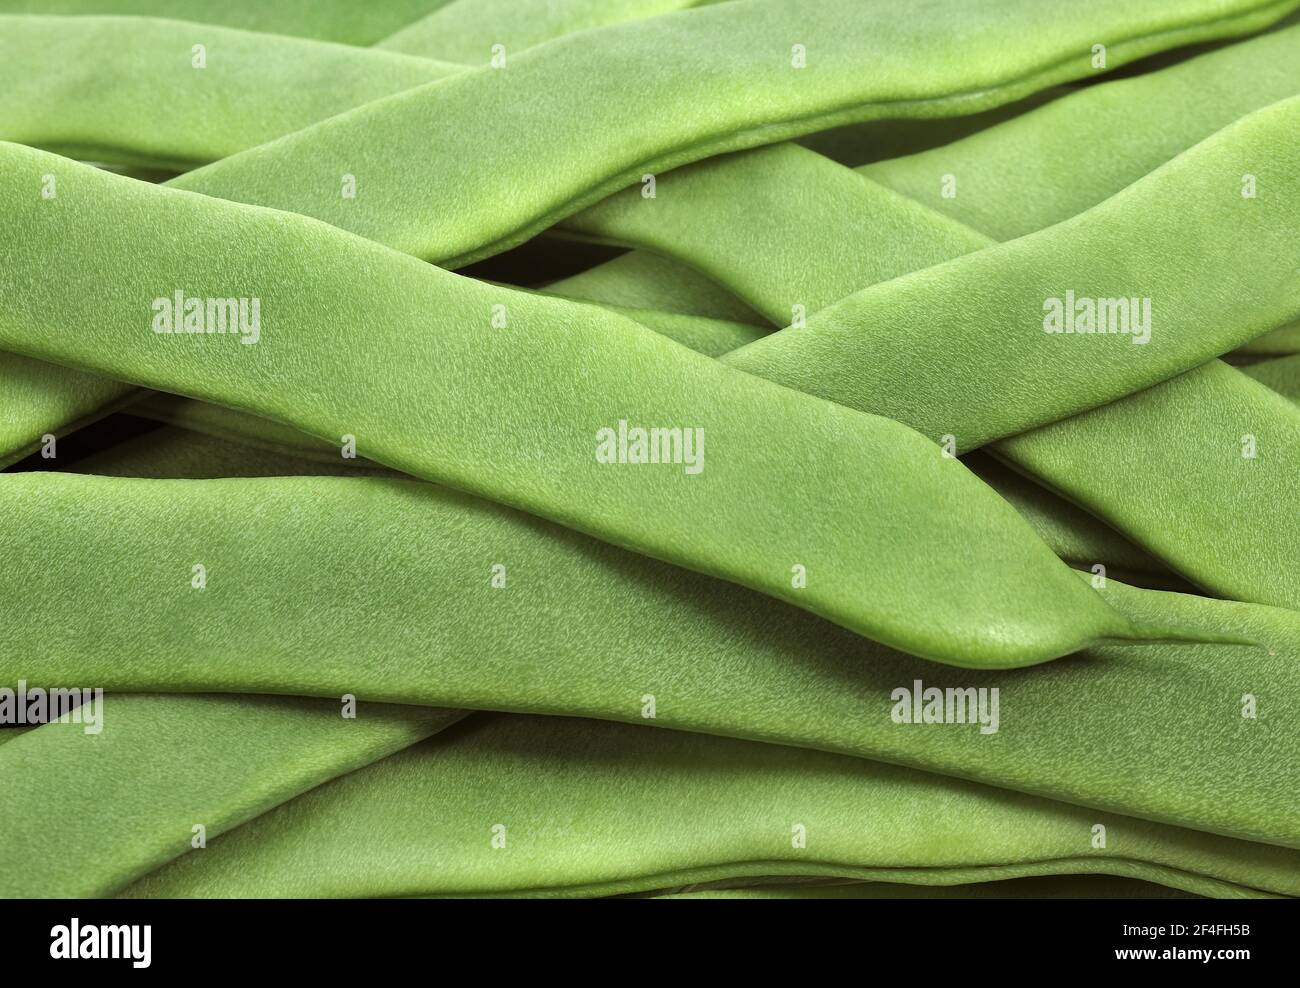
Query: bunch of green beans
429, 430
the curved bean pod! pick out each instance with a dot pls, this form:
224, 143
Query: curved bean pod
1072, 534
164, 764
149, 105
584, 153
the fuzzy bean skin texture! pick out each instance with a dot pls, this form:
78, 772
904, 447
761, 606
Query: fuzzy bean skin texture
467, 30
